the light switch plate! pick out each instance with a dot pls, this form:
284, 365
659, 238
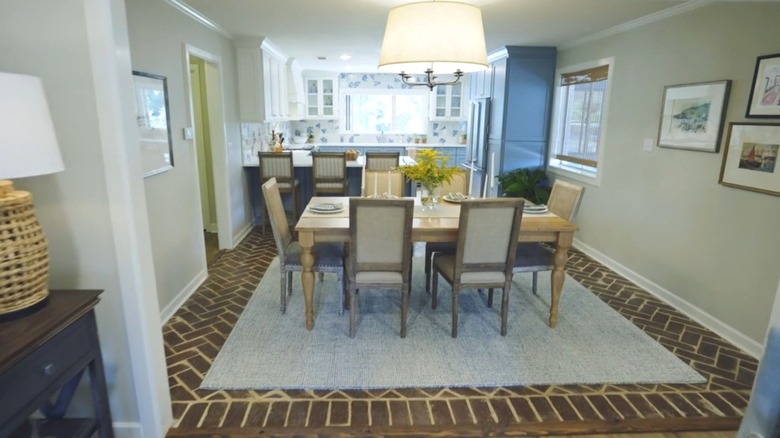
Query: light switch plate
187, 133
648, 145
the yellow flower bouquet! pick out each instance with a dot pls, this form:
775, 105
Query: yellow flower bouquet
431, 171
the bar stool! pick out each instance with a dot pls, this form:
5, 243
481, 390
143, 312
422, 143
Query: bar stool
382, 160
329, 173
280, 166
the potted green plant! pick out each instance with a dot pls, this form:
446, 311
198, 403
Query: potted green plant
531, 184
431, 171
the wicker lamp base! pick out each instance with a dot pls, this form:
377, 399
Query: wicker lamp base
24, 255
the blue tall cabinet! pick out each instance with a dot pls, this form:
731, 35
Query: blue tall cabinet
521, 107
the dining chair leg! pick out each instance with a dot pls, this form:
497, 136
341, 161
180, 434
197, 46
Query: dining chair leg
504, 308
455, 309
289, 287
341, 290
283, 290
533, 283
265, 215
404, 308
490, 297
428, 257
435, 290
353, 305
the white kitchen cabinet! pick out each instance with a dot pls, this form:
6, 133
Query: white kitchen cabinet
481, 83
262, 82
321, 97
448, 102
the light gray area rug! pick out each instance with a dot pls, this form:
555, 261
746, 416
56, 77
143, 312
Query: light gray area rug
591, 344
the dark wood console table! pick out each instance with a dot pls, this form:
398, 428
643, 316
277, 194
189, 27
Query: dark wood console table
44, 354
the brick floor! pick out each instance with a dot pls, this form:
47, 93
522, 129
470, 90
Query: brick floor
197, 331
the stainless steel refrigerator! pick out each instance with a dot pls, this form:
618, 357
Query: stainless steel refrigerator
476, 150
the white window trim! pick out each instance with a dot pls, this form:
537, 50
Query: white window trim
396, 91
571, 172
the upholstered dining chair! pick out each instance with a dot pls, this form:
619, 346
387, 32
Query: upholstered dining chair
378, 183
380, 251
458, 184
484, 255
280, 166
564, 201
382, 160
329, 172
328, 257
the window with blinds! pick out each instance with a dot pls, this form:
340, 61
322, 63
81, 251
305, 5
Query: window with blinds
581, 107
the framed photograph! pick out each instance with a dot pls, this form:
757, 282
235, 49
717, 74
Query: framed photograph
765, 92
692, 115
154, 122
750, 158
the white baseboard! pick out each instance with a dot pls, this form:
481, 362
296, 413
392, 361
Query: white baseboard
724, 330
183, 296
243, 232
124, 429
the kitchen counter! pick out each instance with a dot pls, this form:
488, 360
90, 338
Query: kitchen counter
392, 145
303, 159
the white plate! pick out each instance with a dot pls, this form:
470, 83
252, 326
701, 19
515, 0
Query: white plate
535, 209
449, 198
326, 208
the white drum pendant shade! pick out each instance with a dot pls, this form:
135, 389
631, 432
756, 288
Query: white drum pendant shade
440, 36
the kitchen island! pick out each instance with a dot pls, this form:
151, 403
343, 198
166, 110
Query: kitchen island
302, 162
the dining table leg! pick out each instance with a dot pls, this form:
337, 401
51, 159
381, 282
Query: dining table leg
306, 240
562, 245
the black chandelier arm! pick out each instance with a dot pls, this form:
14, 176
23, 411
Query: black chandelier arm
430, 81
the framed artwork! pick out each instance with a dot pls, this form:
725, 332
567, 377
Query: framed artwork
154, 122
692, 115
765, 92
750, 158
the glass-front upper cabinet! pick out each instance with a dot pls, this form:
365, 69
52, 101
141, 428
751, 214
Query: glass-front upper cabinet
321, 97
447, 101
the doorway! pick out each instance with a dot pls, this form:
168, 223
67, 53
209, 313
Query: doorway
200, 116
208, 136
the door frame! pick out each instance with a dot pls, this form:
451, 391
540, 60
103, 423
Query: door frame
219, 150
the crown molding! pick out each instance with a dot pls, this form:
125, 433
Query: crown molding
633, 24
200, 18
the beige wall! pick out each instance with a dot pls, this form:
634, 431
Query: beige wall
663, 214
93, 213
157, 34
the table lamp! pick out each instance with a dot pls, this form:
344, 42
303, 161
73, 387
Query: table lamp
28, 147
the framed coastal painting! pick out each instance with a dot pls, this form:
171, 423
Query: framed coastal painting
692, 115
750, 158
765, 92
153, 119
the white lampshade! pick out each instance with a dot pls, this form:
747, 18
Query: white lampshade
28, 145
441, 36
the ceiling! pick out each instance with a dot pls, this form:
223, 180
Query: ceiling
308, 29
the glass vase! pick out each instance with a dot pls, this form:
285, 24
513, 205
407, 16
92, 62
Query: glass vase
430, 196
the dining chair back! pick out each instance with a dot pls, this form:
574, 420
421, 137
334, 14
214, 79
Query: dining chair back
485, 253
383, 184
380, 251
280, 166
382, 160
565, 199
458, 184
329, 172
328, 257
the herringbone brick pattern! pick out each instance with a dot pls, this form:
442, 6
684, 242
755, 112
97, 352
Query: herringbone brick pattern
195, 334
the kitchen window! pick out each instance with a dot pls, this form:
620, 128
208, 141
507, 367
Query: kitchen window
580, 120
385, 112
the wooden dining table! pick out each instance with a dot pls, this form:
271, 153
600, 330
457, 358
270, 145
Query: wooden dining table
439, 224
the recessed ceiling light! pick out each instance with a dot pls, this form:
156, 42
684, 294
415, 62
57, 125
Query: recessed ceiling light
345, 57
